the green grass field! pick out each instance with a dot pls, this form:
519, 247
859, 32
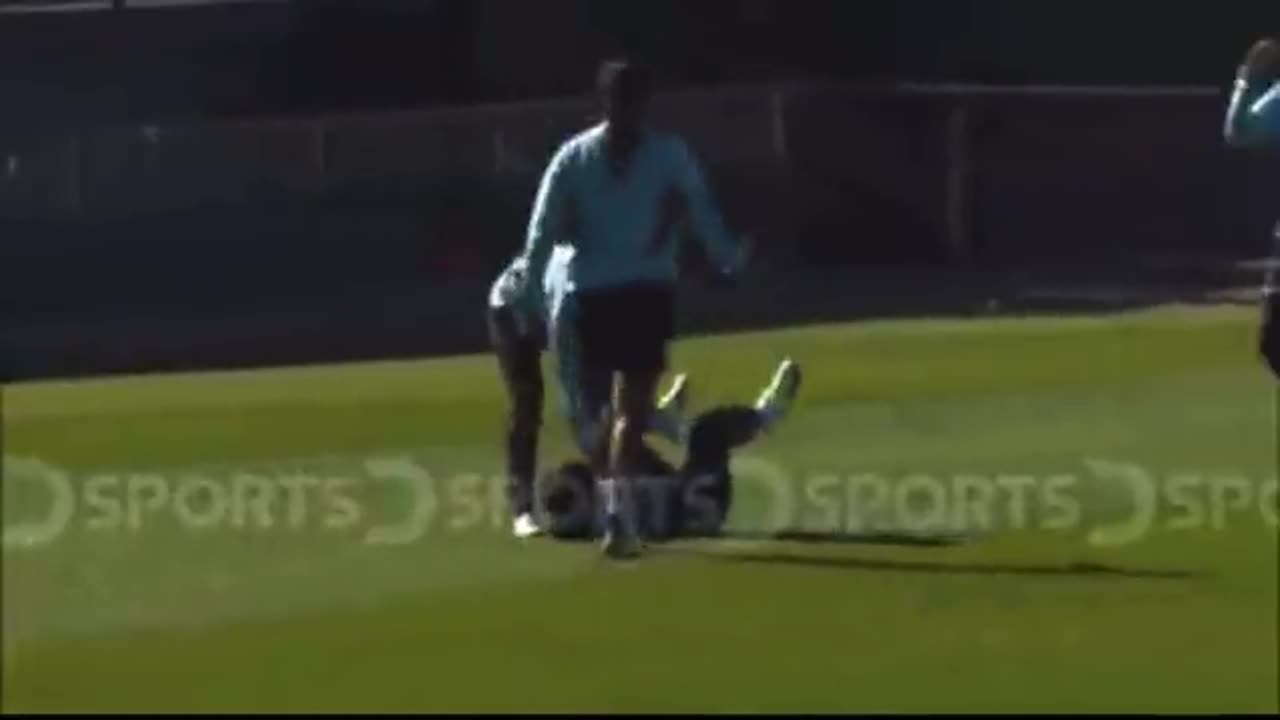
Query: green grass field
219, 599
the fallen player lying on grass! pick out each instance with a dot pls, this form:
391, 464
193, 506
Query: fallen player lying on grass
691, 500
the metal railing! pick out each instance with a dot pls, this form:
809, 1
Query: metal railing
17, 7
967, 100
956, 180
965, 163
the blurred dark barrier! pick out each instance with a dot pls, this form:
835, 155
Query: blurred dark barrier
865, 178
125, 173
1126, 176
331, 237
38, 177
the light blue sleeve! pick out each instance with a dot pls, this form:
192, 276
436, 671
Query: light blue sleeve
549, 221
708, 224
1253, 115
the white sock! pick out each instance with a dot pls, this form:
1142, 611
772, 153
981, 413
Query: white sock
609, 496
769, 406
769, 409
666, 422
768, 416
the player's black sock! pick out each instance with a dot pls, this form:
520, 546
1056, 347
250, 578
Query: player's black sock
522, 455
1269, 340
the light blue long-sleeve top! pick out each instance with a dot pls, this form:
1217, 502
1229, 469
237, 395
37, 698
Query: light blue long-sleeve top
623, 228
1253, 120
1253, 115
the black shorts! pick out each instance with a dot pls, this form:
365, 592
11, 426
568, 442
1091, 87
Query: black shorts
626, 329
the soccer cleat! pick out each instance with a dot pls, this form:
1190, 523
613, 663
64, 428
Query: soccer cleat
777, 398
620, 542
671, 419
525, 527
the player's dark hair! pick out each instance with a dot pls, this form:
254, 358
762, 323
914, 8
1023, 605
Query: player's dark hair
624, 83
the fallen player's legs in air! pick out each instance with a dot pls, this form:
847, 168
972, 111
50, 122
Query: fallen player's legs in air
692, 500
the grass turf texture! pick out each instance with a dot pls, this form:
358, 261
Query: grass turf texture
304, 617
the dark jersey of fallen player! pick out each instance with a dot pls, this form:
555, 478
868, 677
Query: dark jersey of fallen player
691, 500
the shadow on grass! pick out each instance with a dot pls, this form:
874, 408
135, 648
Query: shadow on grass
844, 562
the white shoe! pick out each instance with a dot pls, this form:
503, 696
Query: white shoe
674, 423
777, 398
525, 527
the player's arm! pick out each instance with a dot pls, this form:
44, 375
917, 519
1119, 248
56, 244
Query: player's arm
1253, 117
1253, 113
708, 225
549, 222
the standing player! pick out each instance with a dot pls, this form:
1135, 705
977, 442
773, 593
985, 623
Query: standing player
1253, 120
518, 335
614, 192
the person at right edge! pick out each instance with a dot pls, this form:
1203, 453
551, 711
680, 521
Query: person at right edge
1253, 121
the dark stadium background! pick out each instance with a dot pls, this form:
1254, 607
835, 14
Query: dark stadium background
245, 183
